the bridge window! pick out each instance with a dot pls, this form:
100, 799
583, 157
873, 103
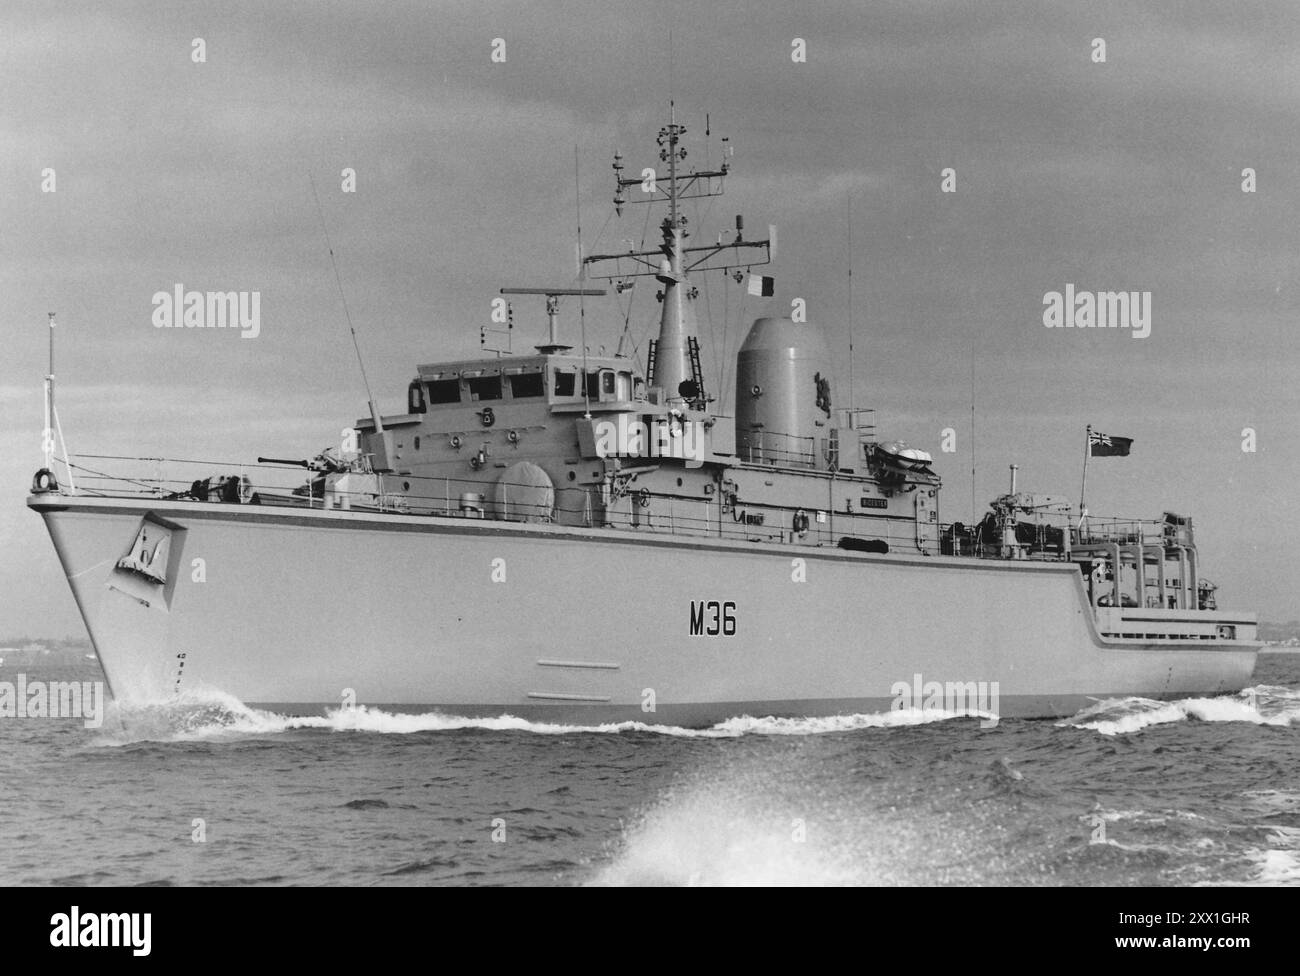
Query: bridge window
564, 383
444, 391
485, 388
527, 385
415, 398
600, 384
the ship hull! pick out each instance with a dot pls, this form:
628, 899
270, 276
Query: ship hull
300, 611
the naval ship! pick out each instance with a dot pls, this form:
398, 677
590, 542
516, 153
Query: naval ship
581, 538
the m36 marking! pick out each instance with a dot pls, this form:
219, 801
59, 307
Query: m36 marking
723, 620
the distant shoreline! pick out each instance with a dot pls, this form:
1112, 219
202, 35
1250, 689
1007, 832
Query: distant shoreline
30, 651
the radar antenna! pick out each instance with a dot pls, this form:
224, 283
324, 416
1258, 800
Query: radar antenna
553, 343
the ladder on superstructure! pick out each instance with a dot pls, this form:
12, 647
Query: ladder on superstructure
697, 372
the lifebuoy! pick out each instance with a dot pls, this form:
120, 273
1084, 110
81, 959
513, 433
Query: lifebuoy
44, 482
800, 522
643, 497
489, 418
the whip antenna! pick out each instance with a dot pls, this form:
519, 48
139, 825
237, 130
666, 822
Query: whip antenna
374, 411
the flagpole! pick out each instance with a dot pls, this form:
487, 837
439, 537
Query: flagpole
47, 437
1083, 487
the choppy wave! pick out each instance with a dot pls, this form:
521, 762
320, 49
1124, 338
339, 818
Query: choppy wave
1273, 802
1261, 705
1275, 861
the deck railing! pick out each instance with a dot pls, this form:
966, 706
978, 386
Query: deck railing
632, 508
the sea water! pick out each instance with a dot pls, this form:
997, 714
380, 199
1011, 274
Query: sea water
1202, 791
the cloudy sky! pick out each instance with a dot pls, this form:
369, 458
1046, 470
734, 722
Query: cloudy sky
1123, 175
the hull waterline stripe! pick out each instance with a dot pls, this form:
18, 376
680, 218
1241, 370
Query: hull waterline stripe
595, 665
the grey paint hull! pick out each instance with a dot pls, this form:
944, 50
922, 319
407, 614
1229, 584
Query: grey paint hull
292, 608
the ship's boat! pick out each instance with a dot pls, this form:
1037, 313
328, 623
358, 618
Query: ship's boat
575, 536
900, 455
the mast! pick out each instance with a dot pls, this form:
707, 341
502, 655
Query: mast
848, 219
674, 363
677, 317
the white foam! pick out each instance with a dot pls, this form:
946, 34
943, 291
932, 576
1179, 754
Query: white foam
215, 715
1116, 716
1230, 710
747, 724
364, 719
189, 718
726, 834
759, 819
1156, 817
1263, 705
1288, 837
1276, 867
